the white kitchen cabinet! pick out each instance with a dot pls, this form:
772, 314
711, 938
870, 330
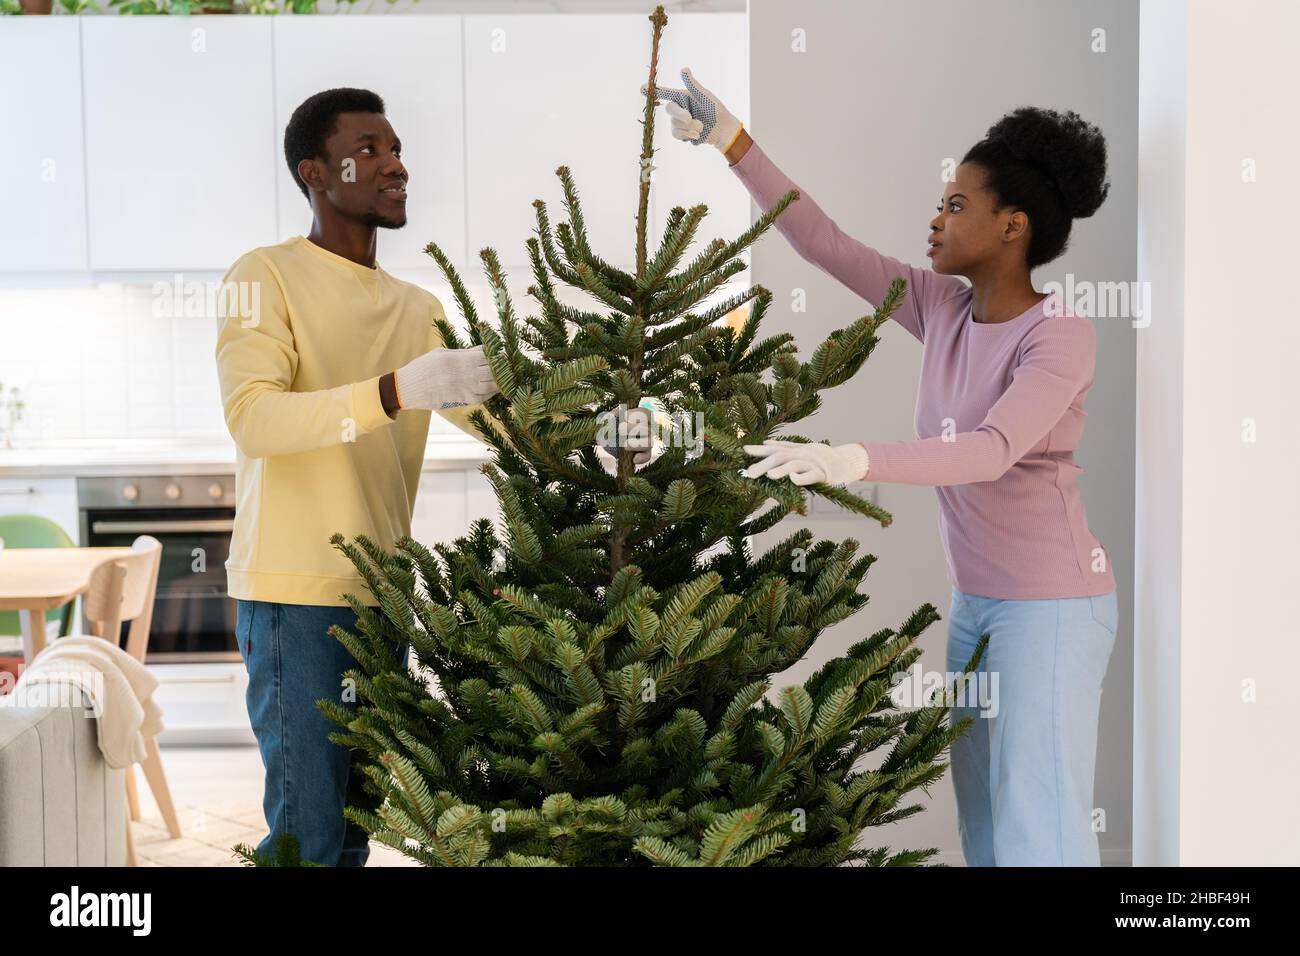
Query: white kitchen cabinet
42, 167
53, 498
543, 91
480, 498
448, 502
414, 64
202, 704
181, 162
180, 154
440, 512
716, 48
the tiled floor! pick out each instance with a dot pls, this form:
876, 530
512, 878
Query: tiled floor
218, 796
209, 834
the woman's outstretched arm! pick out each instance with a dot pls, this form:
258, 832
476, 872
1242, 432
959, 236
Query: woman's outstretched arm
739, 147
1058, 361
699, 117
1057, 365
817, 238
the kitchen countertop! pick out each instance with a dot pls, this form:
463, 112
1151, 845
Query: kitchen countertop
181, 456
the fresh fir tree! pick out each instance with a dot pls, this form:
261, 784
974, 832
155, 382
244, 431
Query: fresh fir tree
601, 664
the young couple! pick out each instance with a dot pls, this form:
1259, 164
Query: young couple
328, 394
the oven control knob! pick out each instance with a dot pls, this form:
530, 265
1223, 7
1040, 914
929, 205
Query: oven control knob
130, 492
172, 491
215, 491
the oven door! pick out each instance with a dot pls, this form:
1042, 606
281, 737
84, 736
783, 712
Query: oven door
193, 616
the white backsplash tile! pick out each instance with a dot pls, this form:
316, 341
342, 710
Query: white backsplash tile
97, 362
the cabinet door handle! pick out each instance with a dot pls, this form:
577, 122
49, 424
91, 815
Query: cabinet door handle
145, 527
215, 679
29, 490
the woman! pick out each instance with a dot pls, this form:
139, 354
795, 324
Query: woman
1004, 374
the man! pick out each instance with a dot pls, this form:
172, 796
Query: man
327, 388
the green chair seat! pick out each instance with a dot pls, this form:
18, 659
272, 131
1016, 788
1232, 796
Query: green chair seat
35, 531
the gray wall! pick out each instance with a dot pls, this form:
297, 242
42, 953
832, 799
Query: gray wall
886, 90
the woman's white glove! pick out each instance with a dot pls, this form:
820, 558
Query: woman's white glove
809, 463
446, 378
698, 116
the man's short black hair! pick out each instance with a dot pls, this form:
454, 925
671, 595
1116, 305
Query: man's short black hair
315, 120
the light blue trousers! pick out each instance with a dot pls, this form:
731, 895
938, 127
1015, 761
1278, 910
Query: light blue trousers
1023, 770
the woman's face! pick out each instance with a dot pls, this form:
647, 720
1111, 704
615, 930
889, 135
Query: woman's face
968, 232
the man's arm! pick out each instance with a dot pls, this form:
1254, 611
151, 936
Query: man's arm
256, 364
388, 394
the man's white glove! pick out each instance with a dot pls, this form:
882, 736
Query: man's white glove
698, 116
446, 378
809, 463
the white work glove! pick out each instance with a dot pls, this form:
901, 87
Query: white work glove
446, 378
698, 116
809, 463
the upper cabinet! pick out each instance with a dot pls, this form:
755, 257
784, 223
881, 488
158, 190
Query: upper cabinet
179, 140
716, 48
414, 64
547, 90
42, 165
181, 166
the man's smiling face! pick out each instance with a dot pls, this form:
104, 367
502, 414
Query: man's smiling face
363, 173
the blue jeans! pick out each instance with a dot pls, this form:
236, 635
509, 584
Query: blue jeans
1023, 770
292, 663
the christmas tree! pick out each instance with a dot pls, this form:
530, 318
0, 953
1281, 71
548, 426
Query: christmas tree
598, 669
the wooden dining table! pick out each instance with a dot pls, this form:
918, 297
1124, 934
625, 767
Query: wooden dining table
35, 580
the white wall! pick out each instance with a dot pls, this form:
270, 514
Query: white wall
885, 92
1159, 489
1218, 516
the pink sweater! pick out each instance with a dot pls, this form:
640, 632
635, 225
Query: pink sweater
999, 413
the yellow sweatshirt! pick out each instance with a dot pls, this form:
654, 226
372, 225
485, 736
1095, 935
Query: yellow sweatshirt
305, 337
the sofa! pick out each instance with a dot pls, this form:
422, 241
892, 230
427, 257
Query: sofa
60, 803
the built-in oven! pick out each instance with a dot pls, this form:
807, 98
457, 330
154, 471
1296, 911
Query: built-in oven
192, 516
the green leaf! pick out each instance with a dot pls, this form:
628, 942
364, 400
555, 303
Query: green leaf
679, 499
797, 707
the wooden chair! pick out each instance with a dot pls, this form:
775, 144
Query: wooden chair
121, 591
103, 600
